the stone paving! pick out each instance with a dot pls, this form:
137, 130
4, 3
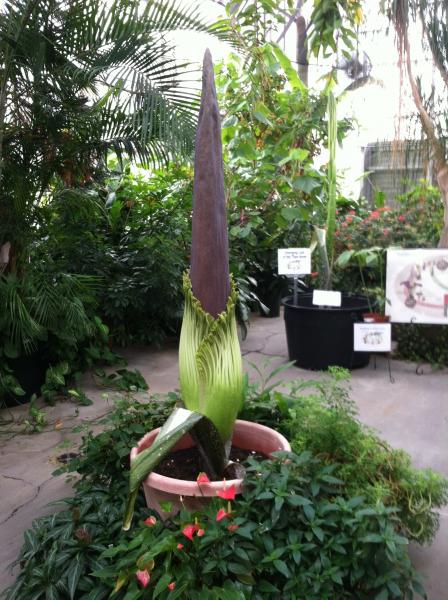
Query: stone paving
411, 413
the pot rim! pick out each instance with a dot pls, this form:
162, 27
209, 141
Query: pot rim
192, 488
363, 303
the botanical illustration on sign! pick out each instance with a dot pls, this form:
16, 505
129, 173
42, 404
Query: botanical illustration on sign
417, 286
372, 337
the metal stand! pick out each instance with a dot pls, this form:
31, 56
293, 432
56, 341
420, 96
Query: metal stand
389, 368
295, 290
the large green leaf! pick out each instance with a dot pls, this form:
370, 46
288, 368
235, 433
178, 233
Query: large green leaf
180, 422
74, 574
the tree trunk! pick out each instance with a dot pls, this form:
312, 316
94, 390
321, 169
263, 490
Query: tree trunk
437, 146
442, 180
302, 50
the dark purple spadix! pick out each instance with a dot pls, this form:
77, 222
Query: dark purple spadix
209, 271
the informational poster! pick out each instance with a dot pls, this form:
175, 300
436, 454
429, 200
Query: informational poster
417, 286
326, 298
372, 337
294, 261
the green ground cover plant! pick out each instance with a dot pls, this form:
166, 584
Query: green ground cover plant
325, 423
326, 519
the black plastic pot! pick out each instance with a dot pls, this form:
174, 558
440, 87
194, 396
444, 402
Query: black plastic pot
30, 373
272, 303
271, 289
319, 337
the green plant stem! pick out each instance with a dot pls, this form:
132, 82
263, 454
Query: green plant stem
364, 284
331, 202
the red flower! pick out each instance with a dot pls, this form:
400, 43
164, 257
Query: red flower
143, 577
315, 274
352, 212
200, 532
227, 493
232, 527
349, 219
189, 531
202, 478
374, 214
171, 586
222, 514
401, 218
179, 546
150, 521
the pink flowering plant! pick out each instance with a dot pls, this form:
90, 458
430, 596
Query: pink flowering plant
414, 221
291, 529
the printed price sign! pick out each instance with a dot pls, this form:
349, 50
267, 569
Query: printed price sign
326, 298
372, 337
294, 261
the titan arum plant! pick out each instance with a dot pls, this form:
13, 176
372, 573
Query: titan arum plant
210, 364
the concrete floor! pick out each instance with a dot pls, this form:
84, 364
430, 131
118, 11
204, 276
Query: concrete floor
411, 413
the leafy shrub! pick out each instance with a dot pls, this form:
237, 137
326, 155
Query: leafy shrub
320, 417
49, 316
422, 343
274, 127
290, 531
414, 222
133, 233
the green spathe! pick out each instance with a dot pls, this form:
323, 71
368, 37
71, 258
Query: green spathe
210, 365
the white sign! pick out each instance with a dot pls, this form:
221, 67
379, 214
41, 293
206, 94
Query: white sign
372, 337
326, 298
417, 286
294, 261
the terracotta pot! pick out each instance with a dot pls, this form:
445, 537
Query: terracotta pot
188, 494
373, 317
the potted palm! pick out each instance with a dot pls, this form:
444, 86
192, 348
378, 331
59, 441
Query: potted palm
210, 363
319, 336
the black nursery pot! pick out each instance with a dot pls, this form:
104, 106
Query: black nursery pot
319, 337
272, 302
30, 372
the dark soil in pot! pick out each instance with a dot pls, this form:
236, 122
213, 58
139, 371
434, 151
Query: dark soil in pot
322, 336
187, 464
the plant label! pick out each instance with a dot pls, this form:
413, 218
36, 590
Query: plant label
294, 261
372, 337
417, 286
326, 298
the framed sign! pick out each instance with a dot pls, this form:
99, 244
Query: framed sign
417, 286
326, 298
372, 337
294, 261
